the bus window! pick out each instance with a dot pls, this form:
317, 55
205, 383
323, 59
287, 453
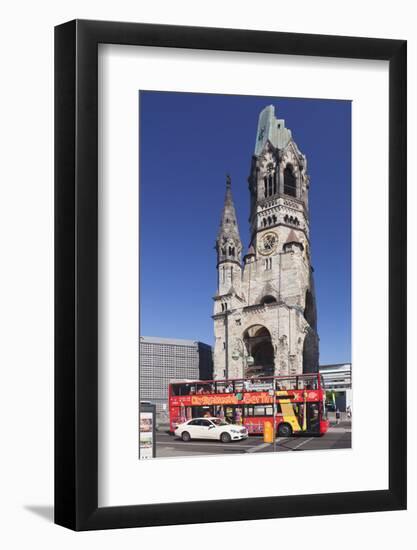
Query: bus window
228, 414
228, 388
238, 415
307, 382
220, 387
198, 412
248, 410
203, 388
181, 389
238, 386
261, 410
286, 384
261, 384
254, 385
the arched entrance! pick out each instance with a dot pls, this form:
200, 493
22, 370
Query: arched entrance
258, 344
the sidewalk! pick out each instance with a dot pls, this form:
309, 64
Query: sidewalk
162, 427
343, 417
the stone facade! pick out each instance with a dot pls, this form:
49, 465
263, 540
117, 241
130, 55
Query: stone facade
264, 309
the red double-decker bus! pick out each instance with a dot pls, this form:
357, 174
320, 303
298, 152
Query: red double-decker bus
299, 403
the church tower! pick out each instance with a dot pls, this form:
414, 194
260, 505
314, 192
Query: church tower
229, 247
264, 310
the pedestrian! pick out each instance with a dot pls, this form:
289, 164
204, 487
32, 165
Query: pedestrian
337, 416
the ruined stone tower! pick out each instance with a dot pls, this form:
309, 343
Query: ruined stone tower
264, 310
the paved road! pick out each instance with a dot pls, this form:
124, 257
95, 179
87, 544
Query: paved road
338, 437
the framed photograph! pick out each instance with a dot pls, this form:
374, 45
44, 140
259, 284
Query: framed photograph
230, 275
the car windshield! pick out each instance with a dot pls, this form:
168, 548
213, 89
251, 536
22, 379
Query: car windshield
219, 422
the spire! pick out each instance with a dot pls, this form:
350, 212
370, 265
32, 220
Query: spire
228, 243
228, 223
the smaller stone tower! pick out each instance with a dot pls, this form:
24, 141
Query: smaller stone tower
229, 247
229, 284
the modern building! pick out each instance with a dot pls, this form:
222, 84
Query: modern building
338, 380
264, 308
164, 359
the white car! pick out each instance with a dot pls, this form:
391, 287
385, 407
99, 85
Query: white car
210, 428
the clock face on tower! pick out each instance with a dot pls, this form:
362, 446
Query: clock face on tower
268, 243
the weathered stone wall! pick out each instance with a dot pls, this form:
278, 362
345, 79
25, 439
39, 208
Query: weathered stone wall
286, 325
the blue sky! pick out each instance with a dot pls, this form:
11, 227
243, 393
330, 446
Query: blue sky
188, 142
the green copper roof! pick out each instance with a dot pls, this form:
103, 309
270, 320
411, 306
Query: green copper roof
272, 129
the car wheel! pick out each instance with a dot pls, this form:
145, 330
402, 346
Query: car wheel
185, 436
225, 437
284, 430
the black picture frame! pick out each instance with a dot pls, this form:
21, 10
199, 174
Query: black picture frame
76, 272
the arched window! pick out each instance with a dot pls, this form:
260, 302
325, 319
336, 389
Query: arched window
290, 182
265, 187
270, 185
274, 218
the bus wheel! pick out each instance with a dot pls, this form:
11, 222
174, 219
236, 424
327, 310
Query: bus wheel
185, 436
284, 430
225, 438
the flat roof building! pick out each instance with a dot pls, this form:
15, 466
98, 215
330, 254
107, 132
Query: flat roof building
162, 360
338, 380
